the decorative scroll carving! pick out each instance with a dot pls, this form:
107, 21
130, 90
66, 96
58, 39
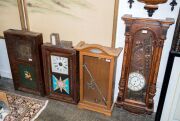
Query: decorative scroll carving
172, 4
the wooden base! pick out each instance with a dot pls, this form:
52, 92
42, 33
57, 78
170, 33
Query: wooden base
95, 108
63, 99
133, 108
29, 91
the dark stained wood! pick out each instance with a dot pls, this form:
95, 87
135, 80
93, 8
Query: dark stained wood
96, 92
72, 55
146, 63
24, 51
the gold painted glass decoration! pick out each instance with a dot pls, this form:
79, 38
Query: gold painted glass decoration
140, 65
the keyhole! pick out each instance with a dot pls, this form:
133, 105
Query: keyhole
60, 64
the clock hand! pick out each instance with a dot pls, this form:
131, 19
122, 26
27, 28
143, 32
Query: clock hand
65, 67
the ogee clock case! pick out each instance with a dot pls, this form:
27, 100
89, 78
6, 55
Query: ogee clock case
24, 51
61, 73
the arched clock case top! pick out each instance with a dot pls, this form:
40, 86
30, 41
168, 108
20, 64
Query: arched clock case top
142, 53
97, 70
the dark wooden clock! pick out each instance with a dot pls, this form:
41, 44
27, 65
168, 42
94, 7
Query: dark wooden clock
61, 73
24, 51
97, 67
143, 47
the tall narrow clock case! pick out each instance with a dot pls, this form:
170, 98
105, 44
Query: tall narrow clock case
142, 54
24, 51
97, 67
61, 73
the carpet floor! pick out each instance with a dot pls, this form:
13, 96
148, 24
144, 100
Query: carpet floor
60, 111
23, 108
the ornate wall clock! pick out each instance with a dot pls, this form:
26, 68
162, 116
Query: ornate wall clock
97, 65
25, 59
61, 73
142, 54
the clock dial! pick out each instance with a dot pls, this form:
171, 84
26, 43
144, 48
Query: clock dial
24, 51
59, 64
136, 81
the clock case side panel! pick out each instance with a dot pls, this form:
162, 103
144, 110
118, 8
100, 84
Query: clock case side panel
159, 28
47, 50
15, 36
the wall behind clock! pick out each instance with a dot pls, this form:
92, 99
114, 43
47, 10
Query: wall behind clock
137, 10
5, 70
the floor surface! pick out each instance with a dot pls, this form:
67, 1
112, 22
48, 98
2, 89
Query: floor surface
60, 111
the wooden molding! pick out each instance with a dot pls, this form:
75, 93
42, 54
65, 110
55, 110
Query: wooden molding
110, 51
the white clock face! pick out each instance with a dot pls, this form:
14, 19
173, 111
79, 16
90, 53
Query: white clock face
136, 81
59, 64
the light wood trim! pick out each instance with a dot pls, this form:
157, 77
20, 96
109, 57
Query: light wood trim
110, 51
85, 51
21, 14
3, 97
111, 77
95, 104
116, 9
115, 19
95, 55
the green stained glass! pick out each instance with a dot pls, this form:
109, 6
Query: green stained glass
27, 76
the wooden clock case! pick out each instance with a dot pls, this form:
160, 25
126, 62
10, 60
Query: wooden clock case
24, 51
73, 76
97, 67
158, 30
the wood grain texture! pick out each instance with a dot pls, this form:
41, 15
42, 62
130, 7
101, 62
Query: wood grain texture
101, 66
158, 28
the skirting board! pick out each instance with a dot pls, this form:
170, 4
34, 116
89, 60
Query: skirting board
5, 74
